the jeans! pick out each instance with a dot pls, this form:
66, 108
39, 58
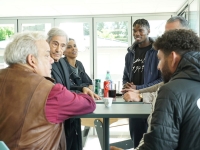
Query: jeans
137, 127
73, 134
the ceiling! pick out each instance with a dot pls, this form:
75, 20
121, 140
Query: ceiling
14, 8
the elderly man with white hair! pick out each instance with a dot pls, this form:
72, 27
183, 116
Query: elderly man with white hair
32, 107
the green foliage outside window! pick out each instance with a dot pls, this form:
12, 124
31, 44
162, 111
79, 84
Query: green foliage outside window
114, 31
6, 32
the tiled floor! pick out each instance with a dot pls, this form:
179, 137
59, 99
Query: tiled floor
118, 133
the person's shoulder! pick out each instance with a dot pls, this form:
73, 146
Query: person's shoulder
45, 82
131, 48
78, 62
172, 88
56, 64
62, 62
129, 51
152, 50
151, 39
58, 87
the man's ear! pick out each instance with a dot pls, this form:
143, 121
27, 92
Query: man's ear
31, 60
148, 31
175, 59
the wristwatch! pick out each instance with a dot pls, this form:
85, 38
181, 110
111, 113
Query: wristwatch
141, 97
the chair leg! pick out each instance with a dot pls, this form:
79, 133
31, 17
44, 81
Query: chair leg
99, 128
127, 144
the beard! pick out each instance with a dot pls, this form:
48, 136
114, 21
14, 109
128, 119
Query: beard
166, 74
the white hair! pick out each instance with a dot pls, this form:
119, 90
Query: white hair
56, 32
21, 46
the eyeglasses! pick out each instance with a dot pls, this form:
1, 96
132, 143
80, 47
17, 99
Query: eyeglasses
55, 44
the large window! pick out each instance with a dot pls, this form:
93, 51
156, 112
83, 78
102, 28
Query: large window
194, 16
7, 30
80, 30
102, 41
157, 24
112, 37
43, 25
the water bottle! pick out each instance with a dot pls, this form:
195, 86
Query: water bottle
108, 77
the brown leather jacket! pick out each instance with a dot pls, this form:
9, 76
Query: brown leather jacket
23, 124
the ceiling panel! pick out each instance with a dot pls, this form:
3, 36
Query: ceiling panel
12, 8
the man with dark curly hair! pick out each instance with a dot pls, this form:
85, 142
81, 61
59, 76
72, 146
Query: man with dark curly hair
176, 117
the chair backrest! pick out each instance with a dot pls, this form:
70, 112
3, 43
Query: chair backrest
3, 146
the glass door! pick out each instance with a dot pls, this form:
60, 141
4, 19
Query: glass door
7, 29
112, 36
43, 25
81, 31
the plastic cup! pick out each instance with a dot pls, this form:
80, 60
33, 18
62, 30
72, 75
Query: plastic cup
108, 101
112, 91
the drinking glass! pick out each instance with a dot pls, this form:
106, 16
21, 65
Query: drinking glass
112, 91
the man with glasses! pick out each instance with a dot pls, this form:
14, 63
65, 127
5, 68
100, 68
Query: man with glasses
58, 40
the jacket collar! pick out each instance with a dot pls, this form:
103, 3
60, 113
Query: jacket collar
188, 67
80, 69
132, 47
27, 69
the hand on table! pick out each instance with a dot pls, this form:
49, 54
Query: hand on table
90, 93
131, 95
128, 85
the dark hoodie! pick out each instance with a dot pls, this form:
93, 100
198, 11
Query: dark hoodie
176, 117
151, 74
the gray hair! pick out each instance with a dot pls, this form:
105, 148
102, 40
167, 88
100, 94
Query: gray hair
21, 46
56, 32
184, 23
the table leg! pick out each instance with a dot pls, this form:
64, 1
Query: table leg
106, 134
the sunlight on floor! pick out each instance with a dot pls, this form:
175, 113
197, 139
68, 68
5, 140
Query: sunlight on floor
117, 133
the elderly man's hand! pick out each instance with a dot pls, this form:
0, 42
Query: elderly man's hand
115, 148
90, 93
131, 95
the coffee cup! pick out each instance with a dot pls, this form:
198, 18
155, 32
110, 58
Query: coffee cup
108, 101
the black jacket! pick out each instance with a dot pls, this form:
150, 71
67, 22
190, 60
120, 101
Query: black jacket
83, 79
151, 74
175, 121
62, 74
